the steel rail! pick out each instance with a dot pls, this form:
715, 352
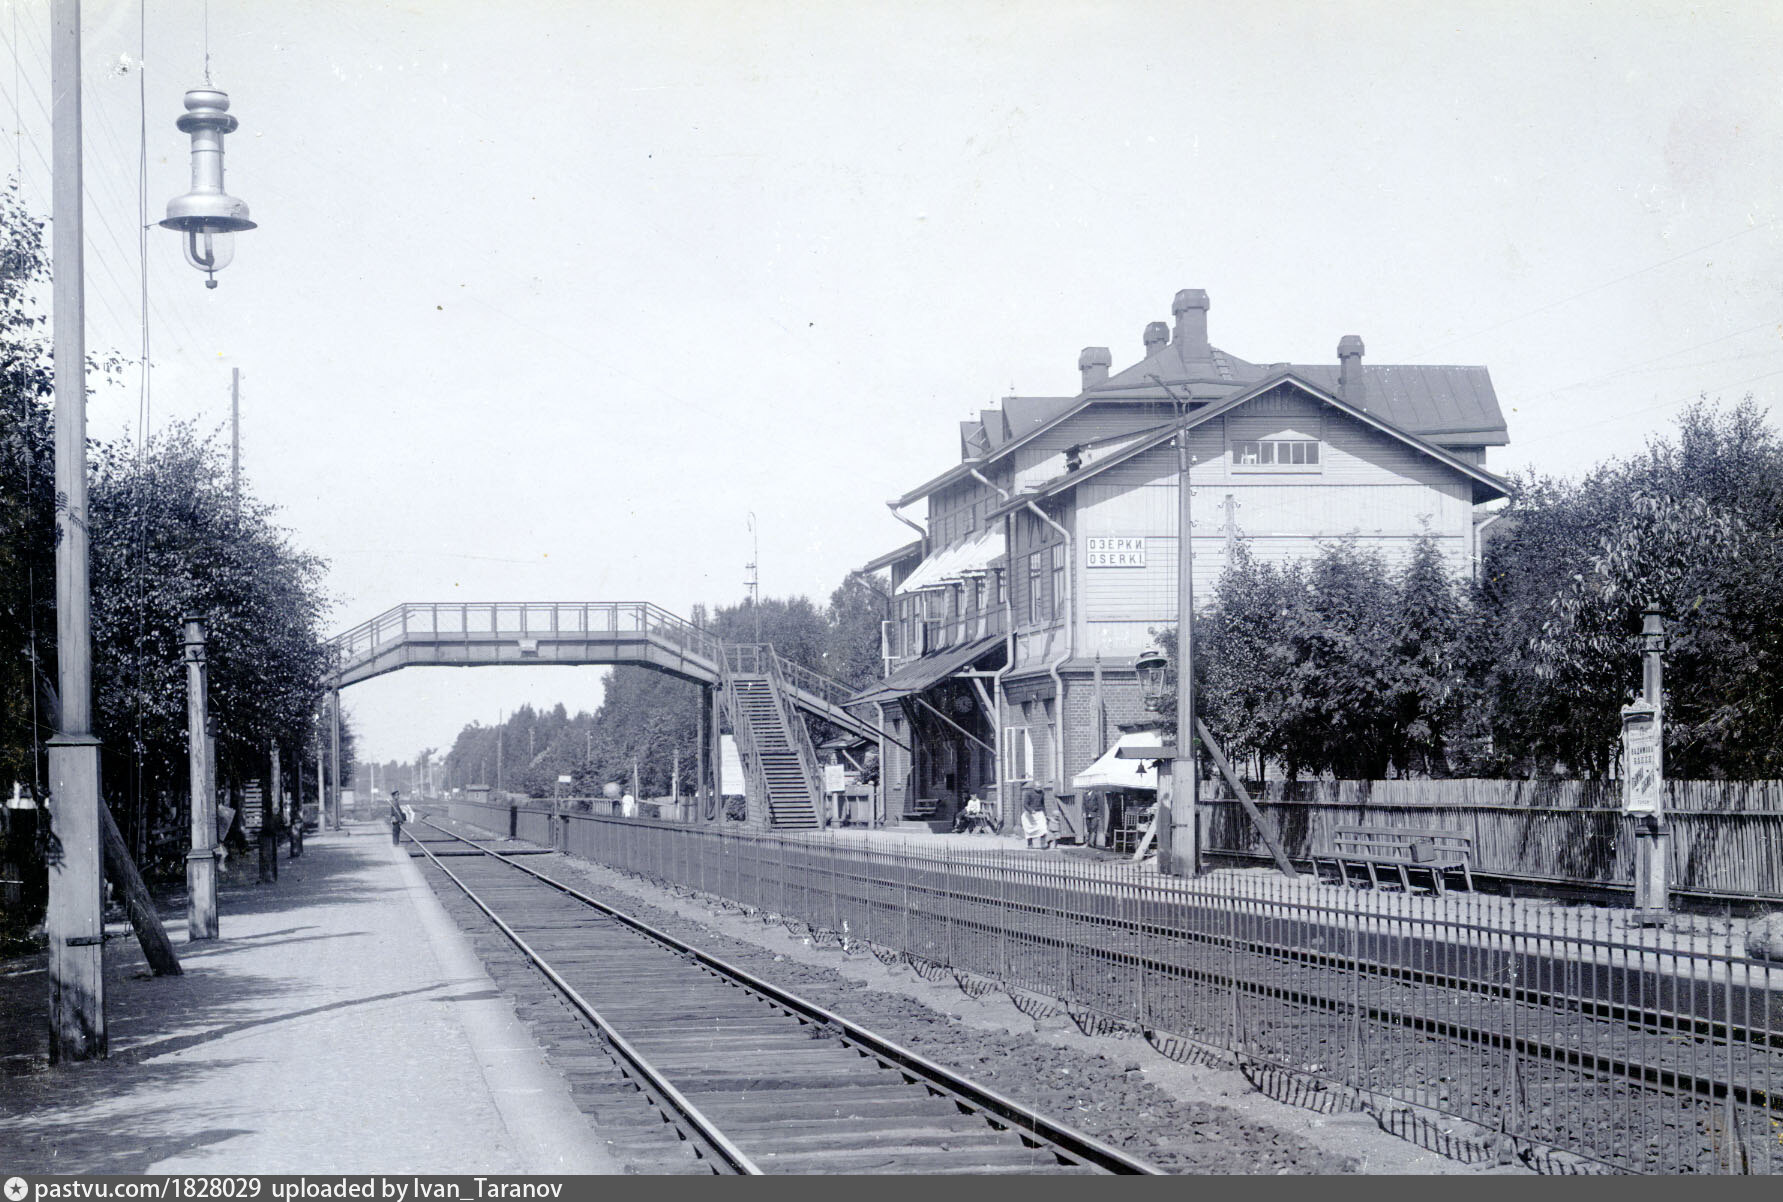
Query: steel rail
734, 1156
1073, 1143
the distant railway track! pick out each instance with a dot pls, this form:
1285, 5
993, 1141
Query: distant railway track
747, 1077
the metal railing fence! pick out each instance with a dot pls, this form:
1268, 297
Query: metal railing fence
1552, 1028
522, 619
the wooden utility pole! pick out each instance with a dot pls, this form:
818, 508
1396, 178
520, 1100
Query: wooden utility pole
201, 857
75, 922
1180, 853
272, 805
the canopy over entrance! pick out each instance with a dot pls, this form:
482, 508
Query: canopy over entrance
1112, 772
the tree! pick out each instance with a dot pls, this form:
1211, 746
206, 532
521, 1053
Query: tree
1691, 525
1428, 690
169, 539
27, 497
852, 646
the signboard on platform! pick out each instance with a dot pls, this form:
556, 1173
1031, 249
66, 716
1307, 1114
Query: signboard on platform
1643, 776
835, 778
1114, 551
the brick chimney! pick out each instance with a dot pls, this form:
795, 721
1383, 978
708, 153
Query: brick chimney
1190, 309
1094, 362
1156, 335
1349, 370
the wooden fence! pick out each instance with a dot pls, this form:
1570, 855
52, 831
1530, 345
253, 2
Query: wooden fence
1727, 836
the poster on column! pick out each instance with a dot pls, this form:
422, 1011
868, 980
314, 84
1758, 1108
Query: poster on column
1643, 778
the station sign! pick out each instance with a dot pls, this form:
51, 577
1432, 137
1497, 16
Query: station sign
1643, 775
1114, 551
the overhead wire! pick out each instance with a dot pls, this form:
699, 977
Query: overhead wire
91, 245
1595, 288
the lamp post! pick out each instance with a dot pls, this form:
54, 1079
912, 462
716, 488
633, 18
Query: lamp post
201, 858
208, 216
1643, 777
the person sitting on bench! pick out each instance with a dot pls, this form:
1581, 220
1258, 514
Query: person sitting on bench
972, 817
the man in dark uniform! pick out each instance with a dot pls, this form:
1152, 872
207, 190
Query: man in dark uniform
395, 817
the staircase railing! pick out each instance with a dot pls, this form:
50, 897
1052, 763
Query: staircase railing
799, 735
755, 779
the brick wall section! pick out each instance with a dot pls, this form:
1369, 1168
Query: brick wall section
1121, 698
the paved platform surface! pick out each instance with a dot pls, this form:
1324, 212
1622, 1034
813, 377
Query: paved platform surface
342, 1024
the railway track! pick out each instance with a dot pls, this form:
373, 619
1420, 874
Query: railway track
1615, 1057
713, 1069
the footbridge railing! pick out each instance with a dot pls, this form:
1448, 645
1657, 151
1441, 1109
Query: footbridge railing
466, 633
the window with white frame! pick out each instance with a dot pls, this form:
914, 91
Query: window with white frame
1276, 454
1018, 754
1036, 577
1057, 594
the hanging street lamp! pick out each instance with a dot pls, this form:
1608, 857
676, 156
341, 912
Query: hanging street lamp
208, 216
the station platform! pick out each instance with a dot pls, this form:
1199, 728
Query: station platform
341, 1025
1709, 946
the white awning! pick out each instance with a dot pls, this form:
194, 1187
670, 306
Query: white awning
969, 557
1111, 772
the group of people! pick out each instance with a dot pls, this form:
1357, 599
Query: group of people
977, 815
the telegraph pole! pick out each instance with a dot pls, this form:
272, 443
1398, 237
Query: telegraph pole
75, 920
272, 807
201, 858
1179, 831
1182, 855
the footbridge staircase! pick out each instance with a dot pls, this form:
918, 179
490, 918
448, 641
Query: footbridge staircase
766, 697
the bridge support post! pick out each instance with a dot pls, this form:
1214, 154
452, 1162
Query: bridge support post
334, 759
711, 770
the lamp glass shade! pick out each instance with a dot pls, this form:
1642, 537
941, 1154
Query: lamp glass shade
1151, 666
209, 250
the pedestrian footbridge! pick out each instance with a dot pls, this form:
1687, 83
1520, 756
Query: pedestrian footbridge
766, 698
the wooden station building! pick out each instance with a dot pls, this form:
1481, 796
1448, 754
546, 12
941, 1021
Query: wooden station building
1049, 550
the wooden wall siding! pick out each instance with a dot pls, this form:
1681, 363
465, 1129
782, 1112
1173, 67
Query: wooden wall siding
1312, 507
1725, 834
1044, 458
1247, 423
1040, 645
956, 511
1355, 453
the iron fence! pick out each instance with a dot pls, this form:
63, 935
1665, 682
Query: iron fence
1550, 1027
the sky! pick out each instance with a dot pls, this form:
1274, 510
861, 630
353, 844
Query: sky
555, 300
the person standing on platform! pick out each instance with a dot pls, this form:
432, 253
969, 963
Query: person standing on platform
1034, 817
1095, 817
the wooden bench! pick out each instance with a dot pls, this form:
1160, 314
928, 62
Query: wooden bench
1376, 850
